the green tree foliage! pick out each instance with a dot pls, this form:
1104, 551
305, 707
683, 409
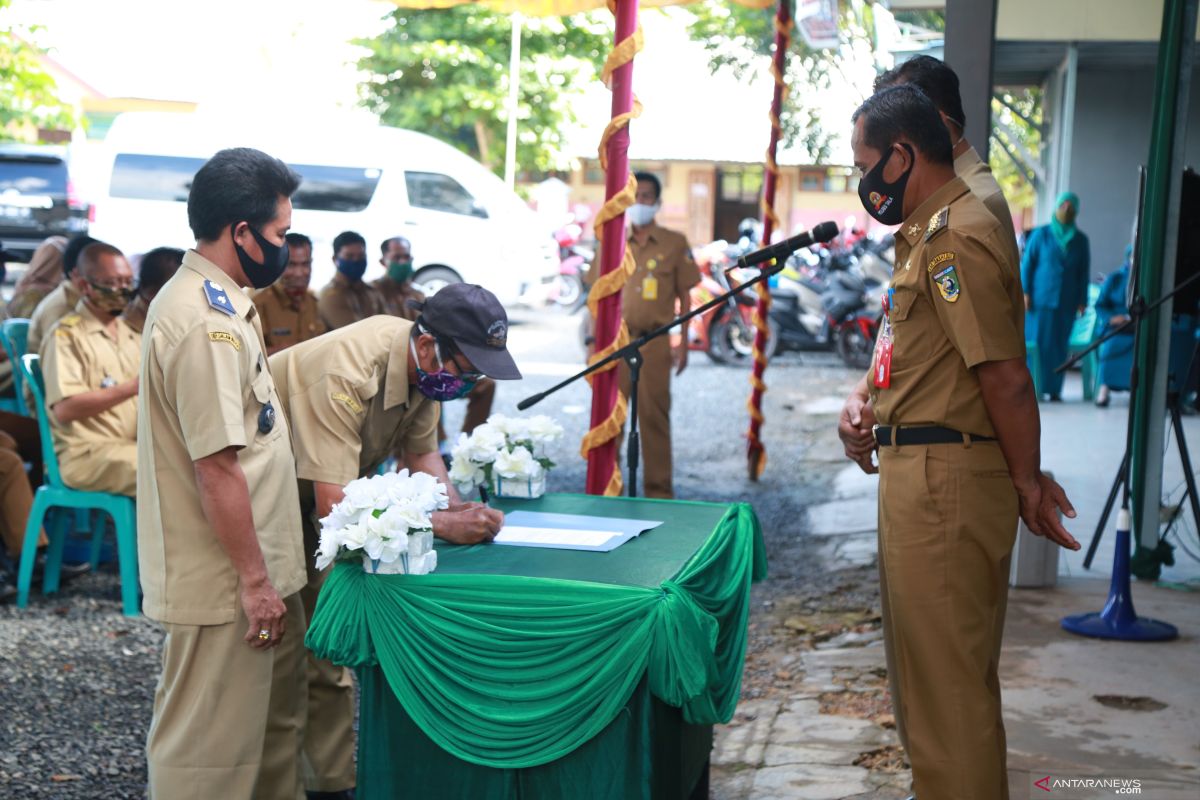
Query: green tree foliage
739, 39
1016, 142
444, 72
27, 93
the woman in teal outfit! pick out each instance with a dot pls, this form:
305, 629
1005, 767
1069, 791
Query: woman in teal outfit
1116, 354
1054, 271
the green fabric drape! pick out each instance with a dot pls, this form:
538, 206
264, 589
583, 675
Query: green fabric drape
508, 671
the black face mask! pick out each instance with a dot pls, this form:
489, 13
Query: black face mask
885, 201
275, 260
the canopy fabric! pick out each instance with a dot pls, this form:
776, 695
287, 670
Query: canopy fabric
556, 8
508, 671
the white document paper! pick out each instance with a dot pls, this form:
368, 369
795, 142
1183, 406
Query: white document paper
551, 537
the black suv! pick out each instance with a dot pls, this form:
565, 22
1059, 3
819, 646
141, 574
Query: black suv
37, 199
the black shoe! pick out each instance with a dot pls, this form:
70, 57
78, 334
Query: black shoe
1056, 398
344, 794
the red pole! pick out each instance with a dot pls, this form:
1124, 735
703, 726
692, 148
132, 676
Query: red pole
756, 454
602, 459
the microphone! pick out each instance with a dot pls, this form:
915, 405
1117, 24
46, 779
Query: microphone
820, 233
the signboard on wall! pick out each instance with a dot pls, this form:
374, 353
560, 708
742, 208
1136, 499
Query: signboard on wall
818, 23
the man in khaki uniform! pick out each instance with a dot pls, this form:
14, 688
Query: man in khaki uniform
353, 397
940, 85
62, 300
657, 291
958, 444
154, 270
397, 290
220, 549
90, 368
288, 308
347, 298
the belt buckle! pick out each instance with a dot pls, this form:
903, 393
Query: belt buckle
875, 432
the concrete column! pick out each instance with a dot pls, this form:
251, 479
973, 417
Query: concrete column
970, 40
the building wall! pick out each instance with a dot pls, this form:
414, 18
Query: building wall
1111, 139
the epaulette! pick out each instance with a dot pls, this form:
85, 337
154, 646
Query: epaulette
218, 298
937, 223
69, 320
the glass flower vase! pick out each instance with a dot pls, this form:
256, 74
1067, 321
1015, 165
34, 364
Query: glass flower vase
526, 488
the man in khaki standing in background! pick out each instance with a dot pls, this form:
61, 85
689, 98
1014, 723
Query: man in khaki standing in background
219, 542
657, 291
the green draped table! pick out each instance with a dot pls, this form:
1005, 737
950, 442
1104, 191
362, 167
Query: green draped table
517, 672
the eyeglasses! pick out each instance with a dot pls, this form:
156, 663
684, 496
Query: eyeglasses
448, 353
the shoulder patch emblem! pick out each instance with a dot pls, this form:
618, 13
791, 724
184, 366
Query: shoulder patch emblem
937, 223
348, 401
228, 338
914, 229
69, 320
939, 259
218, 298
947, 283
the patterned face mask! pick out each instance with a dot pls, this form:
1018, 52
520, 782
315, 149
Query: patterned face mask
442, 385
110, 299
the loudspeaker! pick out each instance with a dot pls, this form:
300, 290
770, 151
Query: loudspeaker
1187, 258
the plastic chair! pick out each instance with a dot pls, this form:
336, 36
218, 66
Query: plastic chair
14, 333
1034, 361
53, 493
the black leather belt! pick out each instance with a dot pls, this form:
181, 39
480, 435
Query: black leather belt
927, 434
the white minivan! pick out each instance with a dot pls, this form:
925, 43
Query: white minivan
463, 222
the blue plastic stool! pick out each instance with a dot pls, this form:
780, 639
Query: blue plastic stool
54, 494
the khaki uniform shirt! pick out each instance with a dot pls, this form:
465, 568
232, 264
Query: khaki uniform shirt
349, 401
54, 306
286, 322
665, 271
135, 313
957, 304
205, 381
979, 179
79, 355
342, 303
396, 296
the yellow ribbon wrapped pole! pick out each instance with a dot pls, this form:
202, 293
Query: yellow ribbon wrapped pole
756, 453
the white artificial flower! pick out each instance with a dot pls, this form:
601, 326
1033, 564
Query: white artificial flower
361, 494
543, 429
327, 551
465, 473
501, 423
354, 536
517, 464
392, 548
486, 442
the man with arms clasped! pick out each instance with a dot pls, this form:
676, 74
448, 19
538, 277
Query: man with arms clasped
219, 540
958, 447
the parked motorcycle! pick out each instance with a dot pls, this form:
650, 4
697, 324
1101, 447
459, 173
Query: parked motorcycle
726, 331
568, 290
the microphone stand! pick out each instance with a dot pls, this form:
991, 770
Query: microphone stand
632, 355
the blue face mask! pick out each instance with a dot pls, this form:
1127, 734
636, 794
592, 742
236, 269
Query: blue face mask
352, 268
442, 385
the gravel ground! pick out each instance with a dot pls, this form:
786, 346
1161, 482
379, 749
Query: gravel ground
79, 677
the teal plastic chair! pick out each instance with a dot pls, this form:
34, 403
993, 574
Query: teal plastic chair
14, 335
1081, 338
53, 493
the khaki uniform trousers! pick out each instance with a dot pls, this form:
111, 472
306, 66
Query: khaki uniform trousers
228, 718
947, 523
654, 416
16, 498
329, 743
104, 466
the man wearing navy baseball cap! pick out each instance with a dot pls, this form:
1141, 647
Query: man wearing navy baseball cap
353, 397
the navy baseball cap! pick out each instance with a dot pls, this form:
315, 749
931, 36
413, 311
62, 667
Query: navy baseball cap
472, 318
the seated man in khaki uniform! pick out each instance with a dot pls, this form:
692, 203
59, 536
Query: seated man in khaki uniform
352, 397
90, 364
346, 298
660, 286
219, 546
62, 300
396, 288
154, 270
288, 308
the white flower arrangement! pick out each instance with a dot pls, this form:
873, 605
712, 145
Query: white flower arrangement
504, 449
385, 520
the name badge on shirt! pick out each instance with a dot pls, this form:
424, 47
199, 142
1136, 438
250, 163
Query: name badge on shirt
650, 288
882, 362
